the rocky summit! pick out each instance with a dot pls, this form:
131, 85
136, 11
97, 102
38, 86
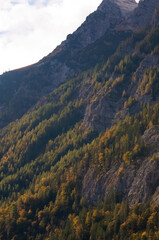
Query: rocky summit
79, 133
125, 6
142, 15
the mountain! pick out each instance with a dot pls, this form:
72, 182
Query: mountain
79, 135
21, 89
141, 16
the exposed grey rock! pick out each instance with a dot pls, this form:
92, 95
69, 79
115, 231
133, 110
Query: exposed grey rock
109, 14
155, 197
147, 62
137, 183
141, 16
53, 70
106, 108
100, 112
151, 139
99, 186
106, 16
59, 72
145, 183
126, 6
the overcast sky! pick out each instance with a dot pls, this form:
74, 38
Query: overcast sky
31, 29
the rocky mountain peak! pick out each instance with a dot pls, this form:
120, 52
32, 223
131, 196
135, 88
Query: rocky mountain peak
125, 6
148, 5
109, 14
141, 16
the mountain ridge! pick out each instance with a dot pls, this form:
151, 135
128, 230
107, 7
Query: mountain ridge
57, 65
79, 155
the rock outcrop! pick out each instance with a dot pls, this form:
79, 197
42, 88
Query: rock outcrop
141, 16
61, 64
33, 82
126, 6
108, 106
137, 183
109, 14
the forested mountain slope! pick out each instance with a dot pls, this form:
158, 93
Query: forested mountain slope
81, 161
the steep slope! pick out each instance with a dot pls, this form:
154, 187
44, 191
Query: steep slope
129, 79
141, 16
109, 14
126, 7
55, 169
21, 89
83, 162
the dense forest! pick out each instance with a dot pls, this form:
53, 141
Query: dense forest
49, 151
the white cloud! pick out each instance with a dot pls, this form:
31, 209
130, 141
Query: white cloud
30, 29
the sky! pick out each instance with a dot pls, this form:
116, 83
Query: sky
31, 29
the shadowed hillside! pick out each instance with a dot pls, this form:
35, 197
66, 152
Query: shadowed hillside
79, 136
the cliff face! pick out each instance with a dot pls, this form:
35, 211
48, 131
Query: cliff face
126, 7
26, 86
119, 86
109, 14
141, 16
85, 146
109, 106
137, 183
21, 89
